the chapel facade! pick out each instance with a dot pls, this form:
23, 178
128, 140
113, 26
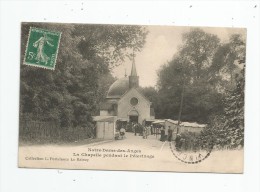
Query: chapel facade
126, 101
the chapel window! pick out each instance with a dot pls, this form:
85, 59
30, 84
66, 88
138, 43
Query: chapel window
134, 101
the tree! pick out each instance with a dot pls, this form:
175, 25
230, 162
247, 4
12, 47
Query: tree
198, 49
228, 128
110, 44
225, 63
70, 94
212, 77
186, 78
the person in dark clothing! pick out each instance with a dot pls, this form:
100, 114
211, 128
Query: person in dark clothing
178, 142
141, 129
170, 134
135, 128
162, 134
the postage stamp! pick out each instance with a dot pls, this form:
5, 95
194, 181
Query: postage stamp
42, 48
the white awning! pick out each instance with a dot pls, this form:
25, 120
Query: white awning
184, 124
193, 124
172, 121
161, 122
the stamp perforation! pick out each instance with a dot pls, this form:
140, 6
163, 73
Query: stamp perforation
58, 34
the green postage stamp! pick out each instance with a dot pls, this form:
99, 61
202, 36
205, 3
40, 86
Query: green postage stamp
42, 48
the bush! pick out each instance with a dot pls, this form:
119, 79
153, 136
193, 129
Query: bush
186, 141
189, 141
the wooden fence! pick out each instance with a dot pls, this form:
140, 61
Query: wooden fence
37, 129
46, 131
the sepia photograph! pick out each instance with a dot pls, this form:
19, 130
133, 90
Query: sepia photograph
132, 97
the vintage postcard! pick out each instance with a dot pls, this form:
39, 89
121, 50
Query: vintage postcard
132, 97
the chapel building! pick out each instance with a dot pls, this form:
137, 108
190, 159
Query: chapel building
126, 102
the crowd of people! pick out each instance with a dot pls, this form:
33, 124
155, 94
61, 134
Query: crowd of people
165, 136
182, 141
146, 130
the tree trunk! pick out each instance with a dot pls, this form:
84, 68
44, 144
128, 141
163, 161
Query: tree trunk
180, 110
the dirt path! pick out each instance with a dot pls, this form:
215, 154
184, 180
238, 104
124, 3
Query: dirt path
131, 153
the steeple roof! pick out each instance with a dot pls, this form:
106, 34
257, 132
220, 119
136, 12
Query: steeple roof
133, 71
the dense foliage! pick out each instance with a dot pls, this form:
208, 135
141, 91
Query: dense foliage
210, 75
70, 94
203, 72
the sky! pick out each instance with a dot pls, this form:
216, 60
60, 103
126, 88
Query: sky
162, 43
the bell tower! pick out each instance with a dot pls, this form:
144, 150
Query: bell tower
133, 78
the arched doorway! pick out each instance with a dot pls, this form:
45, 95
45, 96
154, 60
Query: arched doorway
133, 116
